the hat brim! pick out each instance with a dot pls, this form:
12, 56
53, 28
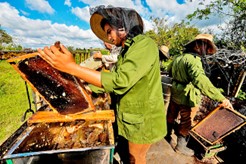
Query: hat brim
95, 23
166, 54
211, 50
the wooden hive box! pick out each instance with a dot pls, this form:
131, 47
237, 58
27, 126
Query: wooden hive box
218, 124
73, 126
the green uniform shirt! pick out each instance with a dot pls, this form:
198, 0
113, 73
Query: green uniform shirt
136, 82
189, 81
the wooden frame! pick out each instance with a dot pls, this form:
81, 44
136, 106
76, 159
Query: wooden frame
15, 61
213, 131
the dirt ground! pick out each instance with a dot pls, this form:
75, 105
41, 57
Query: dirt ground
163, 153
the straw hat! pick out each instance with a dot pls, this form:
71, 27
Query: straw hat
164, 50
207, 37
95, 23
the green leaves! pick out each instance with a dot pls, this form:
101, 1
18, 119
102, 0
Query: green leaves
174, 36
4, 37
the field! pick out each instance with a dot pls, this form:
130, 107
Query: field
13, 100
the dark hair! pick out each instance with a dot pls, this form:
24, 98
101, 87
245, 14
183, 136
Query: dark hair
191, 47
103, 23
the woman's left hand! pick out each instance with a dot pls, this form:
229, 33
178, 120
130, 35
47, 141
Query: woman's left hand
226, 104
97, 55
60, 59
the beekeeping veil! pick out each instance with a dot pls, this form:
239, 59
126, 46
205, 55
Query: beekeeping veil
206, 47
123, 19
204, 38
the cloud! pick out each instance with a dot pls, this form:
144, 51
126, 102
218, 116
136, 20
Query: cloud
68, 3
38, 33
24, 13
35, 33
174, 12
118, 3
82, 13
41, 6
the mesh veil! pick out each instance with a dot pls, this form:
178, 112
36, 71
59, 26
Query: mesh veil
202, 52
121, 18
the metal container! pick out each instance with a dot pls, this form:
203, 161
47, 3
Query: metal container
53, 141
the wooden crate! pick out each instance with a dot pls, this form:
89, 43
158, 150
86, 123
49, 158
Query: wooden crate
218, 124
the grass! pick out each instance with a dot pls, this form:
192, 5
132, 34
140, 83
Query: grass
13, 100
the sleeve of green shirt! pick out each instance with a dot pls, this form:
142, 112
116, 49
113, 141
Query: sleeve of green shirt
201, 81
96, 89
131, 67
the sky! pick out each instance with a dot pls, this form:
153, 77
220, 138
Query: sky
38, 23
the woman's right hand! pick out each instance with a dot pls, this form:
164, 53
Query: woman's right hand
58, 57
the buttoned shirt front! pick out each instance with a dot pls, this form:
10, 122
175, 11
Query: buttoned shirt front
136, 82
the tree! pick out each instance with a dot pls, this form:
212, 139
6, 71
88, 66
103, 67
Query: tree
235, 31
70, 48
4, 37
173, 36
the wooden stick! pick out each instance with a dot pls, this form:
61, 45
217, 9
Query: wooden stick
52, 117
18, 58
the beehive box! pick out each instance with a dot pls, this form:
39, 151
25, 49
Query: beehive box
73, 125
218, 124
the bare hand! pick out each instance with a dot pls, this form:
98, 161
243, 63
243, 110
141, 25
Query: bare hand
226, 104
63, 60
97, 55
60, 59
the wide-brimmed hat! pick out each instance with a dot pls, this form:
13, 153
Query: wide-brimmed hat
95, 23
212, 47
164, 50
125, 20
